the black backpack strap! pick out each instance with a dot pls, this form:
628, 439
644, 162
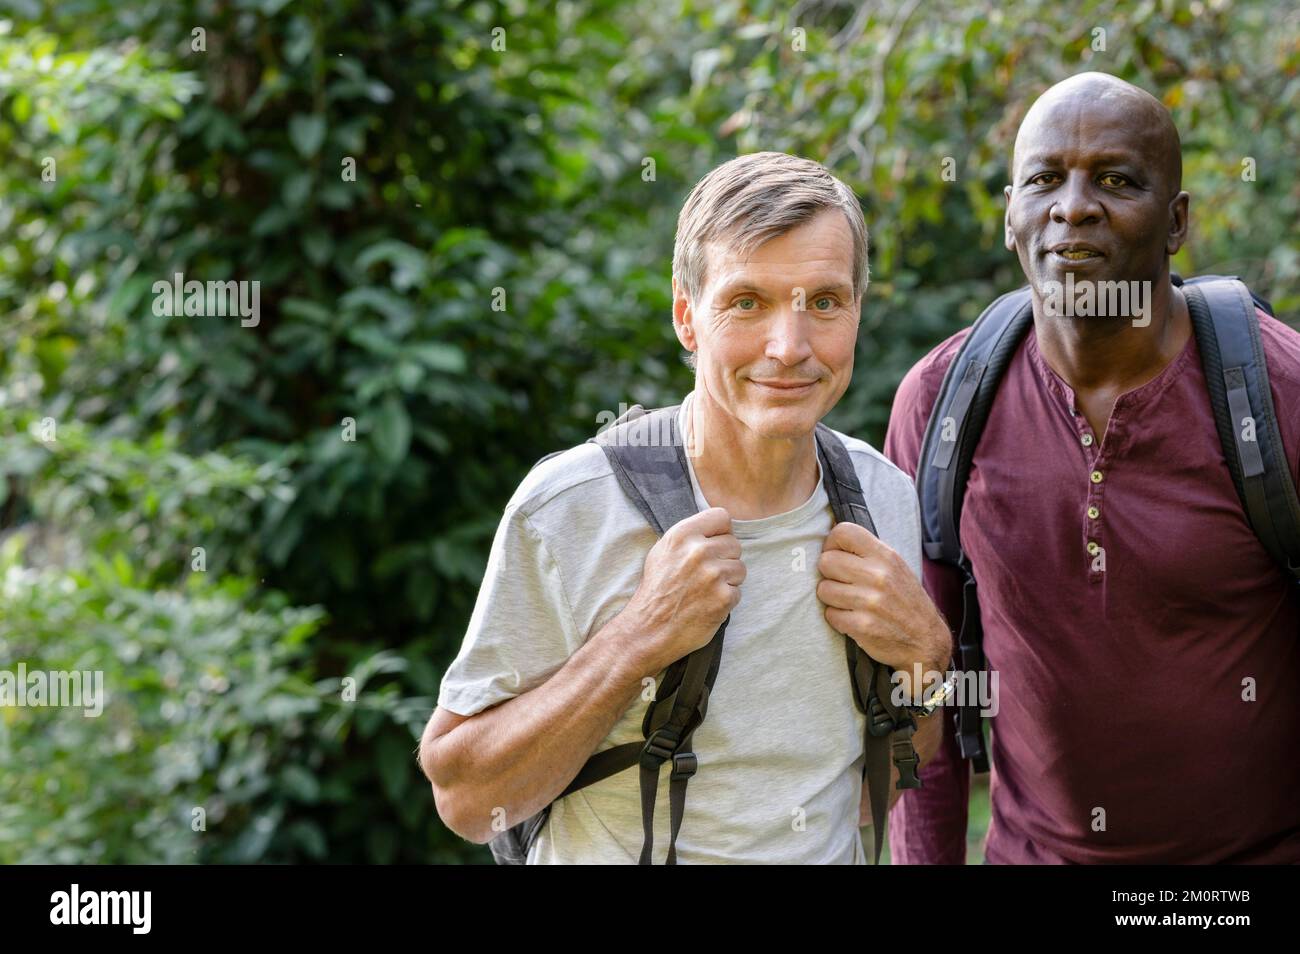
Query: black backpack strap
669, 727
648, 457
1227, 332
889, 729
951, 435
958, 418
646, 454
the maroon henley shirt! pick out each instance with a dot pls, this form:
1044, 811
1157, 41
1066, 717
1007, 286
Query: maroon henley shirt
1125, 689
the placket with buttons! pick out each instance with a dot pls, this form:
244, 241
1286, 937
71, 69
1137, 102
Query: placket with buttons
1095, 461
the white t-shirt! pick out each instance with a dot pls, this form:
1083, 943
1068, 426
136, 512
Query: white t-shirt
780, 752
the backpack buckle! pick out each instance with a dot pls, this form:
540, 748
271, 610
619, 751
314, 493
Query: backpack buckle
906, 758
907, 763
879, 721
659, 748
685, 765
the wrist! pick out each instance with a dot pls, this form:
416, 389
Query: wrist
939, 654
927, 669
631, 646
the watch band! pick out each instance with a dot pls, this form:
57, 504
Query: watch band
937, 698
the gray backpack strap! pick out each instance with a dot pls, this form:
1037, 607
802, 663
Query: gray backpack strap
1227, 332
888, 728
951, 436
648, 459
1223, 318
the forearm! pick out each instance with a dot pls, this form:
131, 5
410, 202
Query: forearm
928, 736
520, 755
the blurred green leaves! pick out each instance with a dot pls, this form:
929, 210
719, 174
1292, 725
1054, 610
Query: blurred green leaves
494, 275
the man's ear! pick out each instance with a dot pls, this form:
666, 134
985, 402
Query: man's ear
1008, 238
1178, 223
683, 317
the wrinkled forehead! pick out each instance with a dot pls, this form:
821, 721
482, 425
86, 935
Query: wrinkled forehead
1084, 127
819, 250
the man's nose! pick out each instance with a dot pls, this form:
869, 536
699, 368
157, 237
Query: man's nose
788, 336
1076, 203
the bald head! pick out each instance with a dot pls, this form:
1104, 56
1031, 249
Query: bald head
1096, 187
1099, 99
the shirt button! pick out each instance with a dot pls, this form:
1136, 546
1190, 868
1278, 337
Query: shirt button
1087, 440
1096, 476
1093, 513
1093, 548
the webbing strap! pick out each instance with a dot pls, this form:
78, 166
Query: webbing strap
875, 770
604, 764
1222, 312
684, 765
676, 802
649, 789
870, 680
970, 658
1234, 380
671, 739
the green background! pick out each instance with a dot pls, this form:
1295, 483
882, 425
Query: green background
546, 174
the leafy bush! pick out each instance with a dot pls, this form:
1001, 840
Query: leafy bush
210, 708
493, 276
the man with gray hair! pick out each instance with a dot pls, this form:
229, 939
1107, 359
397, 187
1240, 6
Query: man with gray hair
582, 606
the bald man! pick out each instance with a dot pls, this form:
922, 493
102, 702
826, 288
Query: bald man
1122, 732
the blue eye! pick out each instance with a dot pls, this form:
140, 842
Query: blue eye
741, 305
830, 302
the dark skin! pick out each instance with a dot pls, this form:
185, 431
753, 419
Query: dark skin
1097, 168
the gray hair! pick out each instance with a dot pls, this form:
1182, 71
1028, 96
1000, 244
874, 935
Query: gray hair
750, 199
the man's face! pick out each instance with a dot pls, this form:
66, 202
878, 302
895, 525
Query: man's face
774, 358
1092, 193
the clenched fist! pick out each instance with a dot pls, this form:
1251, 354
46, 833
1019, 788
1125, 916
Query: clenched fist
690, 582
872, 596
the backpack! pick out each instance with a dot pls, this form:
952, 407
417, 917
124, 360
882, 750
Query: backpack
1223, 319
646, 454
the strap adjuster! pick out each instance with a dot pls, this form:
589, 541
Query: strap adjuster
685, 765
658, 748
879, 722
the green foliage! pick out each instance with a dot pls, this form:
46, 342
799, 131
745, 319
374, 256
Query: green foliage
202, 711
494, 275
220, 696
105, 492
886, 96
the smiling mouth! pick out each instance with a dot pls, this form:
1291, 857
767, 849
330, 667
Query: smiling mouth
790, 386
1076, 253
